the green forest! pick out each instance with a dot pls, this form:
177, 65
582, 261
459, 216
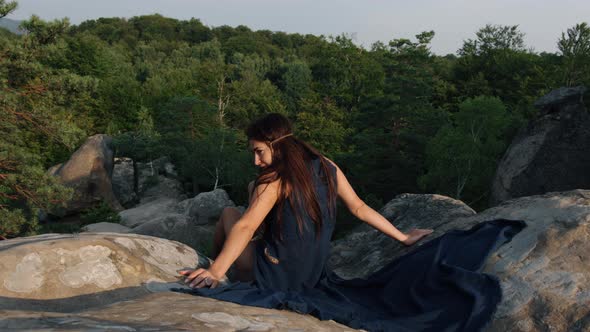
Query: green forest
395, 117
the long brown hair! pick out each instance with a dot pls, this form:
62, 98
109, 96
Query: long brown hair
290, 164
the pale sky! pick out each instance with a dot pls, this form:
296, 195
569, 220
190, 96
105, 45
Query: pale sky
367, 21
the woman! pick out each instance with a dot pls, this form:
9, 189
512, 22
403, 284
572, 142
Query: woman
295, 196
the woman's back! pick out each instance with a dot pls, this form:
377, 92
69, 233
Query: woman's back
298, 260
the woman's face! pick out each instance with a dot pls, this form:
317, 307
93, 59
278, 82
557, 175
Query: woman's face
262, 153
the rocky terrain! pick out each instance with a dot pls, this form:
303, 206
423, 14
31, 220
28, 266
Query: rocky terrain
114, 281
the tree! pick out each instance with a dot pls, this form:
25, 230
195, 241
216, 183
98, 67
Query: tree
494, 37
498, 64
462, 156
209, 154
343, 71
296, 81
321, 123
141, 144
248, 94
37, 124
194, 32
393, 126
574, 47
43, 33
7, 7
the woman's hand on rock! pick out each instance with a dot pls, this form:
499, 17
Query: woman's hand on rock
415, 235
200, 278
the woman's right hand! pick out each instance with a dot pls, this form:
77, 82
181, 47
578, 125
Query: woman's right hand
415, 235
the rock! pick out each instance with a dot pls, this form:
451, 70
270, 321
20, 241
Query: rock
181, 228
167, 312
544, 271
53, 169
62, 266
106, 227
88, 172
149, 211
191, 221
166, 218
115, 282
162, 187
158, 179
551, 154
124, 182
205, 208
350, 256
560, 97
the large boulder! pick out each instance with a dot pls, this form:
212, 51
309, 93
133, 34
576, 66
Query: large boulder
206, 207
349, 256
58, 266
181, 228
191, 221
162, 218
552, 153
124, 182
116, 282
88, 172
544, 271
149, 211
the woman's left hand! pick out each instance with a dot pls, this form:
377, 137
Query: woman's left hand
200, 278
415, 235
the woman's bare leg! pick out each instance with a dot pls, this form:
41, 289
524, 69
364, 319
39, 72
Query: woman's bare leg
244, 263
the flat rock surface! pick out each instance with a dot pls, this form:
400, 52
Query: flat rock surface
119, 282
168, 312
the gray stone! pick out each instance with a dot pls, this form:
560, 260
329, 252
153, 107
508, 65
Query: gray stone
162, 187
551, 153
149, 211
178, 227
366, 250
190, 222
124, 182
205, 208
559, 97
157, 179
106, 227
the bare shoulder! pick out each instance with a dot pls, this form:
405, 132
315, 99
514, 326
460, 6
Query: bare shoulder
332, 163
267, 189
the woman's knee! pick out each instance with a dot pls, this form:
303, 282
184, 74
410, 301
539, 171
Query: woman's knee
229, 216
230, 212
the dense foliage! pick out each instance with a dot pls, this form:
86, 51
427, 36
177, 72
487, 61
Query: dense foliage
396, 117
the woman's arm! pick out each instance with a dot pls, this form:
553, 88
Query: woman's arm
250, 191
264, 198
365, 213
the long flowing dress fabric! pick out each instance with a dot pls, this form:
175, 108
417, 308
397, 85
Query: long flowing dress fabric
437, 287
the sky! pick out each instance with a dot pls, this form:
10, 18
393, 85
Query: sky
366, 21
